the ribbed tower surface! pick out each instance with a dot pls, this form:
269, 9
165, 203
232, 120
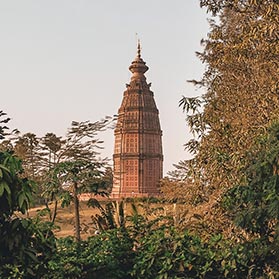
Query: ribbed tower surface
138, 156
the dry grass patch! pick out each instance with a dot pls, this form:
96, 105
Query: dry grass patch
65, 219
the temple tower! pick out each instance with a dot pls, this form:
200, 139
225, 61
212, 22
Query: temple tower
138, 157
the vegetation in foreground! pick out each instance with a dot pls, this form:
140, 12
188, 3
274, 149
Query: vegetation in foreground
232, 179
146, 245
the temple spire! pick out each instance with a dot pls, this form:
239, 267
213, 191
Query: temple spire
138, 154
138, 66
139, 49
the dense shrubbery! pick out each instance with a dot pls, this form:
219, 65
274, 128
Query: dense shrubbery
160, 253
108, 255
25, 244
137, 246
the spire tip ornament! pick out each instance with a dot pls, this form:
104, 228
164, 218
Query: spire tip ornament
139, 49
138, 66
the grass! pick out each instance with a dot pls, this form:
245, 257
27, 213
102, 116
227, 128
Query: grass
65, 216
65, 219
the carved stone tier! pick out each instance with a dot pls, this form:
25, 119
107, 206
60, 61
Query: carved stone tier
138, 156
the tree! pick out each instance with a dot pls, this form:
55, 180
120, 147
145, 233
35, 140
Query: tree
25, 244
51, 190
3, 127
255, 206
77, 168
6, 143
26, 147
241, 83
51, 144
107, 180
15, 192
65, 167
178, 186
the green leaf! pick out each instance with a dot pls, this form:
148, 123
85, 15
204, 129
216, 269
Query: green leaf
7, 188
2, 187
21, 199
31, 254
2, 167
24, 223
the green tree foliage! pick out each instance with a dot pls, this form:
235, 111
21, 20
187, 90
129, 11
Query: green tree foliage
108, 255
255, 206
25, 244
241, 83
64, 168
50, 190
111, 215
167, 253
152, 248
4, 129
15, 191
78, 169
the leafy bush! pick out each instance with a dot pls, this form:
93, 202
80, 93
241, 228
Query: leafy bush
108, 255
25, 247
25, 244
152, 249
166, 253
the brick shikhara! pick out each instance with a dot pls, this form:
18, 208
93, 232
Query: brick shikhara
138, 155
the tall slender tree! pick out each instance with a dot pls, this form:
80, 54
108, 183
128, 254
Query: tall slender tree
78, 168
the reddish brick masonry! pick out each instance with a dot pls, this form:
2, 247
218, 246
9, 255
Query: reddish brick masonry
138, 156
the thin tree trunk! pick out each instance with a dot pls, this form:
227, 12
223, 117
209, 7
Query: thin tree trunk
54, 211
47, 206
76, 210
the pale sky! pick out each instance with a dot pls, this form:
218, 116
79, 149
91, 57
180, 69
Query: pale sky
64, 60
